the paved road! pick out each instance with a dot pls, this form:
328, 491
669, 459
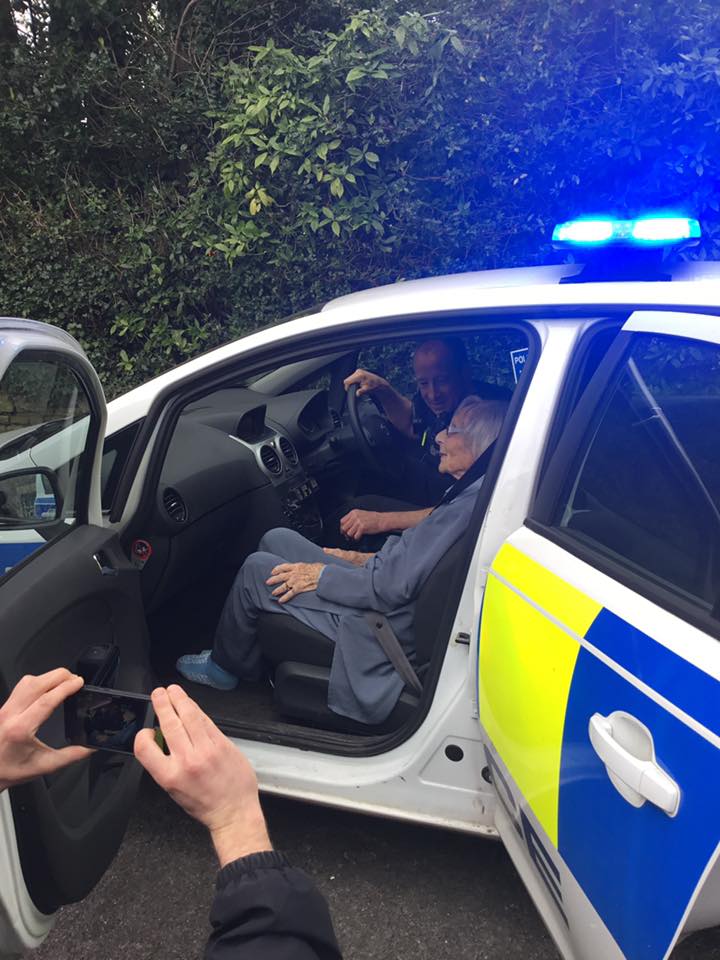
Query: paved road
397, 892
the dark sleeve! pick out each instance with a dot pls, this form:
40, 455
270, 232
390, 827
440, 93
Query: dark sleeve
266, 909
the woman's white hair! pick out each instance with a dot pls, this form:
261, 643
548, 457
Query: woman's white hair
483, 421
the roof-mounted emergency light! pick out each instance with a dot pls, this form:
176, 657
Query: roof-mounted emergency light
644, 231
624, 249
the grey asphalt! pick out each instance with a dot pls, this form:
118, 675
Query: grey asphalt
396, 891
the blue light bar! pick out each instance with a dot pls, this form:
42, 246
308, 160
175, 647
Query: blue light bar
642, 232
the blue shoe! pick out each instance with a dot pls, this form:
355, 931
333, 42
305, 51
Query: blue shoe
201, 668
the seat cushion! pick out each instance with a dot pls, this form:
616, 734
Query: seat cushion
301, 693
282, 637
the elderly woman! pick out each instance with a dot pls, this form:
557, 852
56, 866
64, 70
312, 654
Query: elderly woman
331, 590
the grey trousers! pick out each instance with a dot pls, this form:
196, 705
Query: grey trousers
235, 646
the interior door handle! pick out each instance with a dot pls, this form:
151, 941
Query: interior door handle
626, 748
105, 568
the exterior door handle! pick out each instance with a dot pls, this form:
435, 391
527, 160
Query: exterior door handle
626, 748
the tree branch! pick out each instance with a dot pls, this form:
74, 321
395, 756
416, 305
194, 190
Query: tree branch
176, 45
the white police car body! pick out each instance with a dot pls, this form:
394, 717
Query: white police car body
569, 701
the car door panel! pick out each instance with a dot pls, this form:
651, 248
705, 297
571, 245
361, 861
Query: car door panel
83, 807
552, 657
599, 661
75, 589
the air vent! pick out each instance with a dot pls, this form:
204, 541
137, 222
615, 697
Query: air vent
288, 451
335, 417
271, 461
174, 505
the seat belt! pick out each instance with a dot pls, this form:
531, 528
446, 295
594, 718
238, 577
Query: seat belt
385, 636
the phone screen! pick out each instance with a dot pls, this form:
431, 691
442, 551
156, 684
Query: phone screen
107, 719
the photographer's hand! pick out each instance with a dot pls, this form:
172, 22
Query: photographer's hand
209, 777
22, 755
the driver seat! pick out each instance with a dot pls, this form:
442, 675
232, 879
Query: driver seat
302, 656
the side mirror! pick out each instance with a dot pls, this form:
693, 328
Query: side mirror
29, 498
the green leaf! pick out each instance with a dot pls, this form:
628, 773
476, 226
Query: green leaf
457, 45
400, 35
260, 159
274, 163
372, 157
336, 187
355, 74
322, 151
335, 227
334, 144
326, 104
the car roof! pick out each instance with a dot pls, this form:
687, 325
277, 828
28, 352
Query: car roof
440, 287
535, 289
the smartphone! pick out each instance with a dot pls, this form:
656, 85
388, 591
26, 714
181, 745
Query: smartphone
107, 719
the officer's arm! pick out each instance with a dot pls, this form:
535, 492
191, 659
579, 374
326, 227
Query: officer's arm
398, 410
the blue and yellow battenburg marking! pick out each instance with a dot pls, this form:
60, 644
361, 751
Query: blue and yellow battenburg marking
538, 688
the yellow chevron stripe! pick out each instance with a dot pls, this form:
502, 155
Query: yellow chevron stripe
526, 668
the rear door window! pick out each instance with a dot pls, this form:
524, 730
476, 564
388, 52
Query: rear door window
645, 491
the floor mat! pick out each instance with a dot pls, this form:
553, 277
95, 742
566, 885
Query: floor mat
187, 626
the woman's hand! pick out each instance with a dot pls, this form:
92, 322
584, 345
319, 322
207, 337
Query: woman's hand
22, 756
294, 578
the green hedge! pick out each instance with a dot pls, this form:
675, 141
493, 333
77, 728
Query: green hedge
158, 198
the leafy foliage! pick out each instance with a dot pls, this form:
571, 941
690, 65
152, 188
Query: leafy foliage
172, 175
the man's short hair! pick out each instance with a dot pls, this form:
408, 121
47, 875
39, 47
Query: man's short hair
454, 346
483, 421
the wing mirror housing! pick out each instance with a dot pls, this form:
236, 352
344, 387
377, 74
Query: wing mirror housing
29, 498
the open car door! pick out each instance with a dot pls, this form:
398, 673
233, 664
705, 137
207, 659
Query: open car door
599, 662
66, 588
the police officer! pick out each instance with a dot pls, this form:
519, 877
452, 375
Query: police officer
443, 379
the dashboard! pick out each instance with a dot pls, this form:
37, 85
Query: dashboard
239, 463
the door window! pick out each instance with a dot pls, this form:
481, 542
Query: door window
496, 358
44, 426
646, 492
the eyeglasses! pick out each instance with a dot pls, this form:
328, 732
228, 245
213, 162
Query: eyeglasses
451, 431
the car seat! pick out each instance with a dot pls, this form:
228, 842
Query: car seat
302, 656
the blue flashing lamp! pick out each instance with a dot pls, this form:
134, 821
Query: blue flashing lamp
642, 232
665, 230
583, 231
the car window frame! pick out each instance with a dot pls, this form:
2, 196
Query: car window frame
565, 461
87, 458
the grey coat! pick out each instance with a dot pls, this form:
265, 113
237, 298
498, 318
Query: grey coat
363, 683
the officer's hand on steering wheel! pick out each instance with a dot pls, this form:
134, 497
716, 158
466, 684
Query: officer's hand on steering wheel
367, 382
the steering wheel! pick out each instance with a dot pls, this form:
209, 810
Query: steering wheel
376, 437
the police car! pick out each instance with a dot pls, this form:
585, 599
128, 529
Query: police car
567, 646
